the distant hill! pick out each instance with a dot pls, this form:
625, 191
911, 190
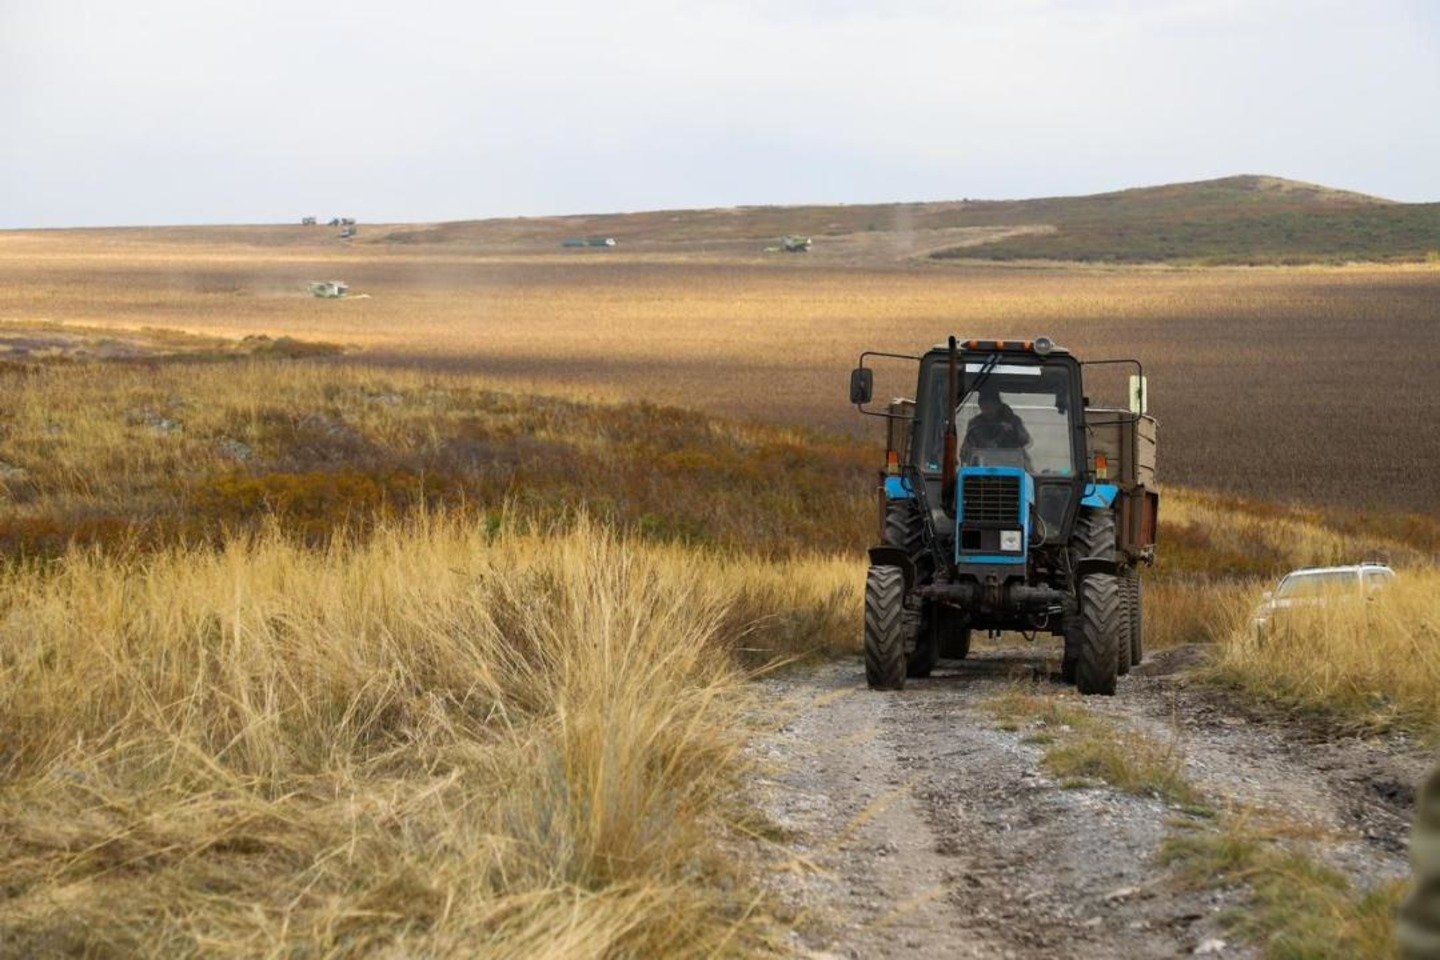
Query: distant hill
1242, 219
1246, 219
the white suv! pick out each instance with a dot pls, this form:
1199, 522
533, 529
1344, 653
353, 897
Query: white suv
1316, 586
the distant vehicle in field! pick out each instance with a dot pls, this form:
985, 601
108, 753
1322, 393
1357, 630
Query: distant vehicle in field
347, 233
1320, 587
307, 221
590, 242
329, 289
795, 244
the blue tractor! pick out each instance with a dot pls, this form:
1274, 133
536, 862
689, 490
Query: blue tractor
1009, 503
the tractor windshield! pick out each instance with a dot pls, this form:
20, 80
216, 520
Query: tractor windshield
1018, 417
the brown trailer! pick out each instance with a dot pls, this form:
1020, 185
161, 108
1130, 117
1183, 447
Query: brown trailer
1122, 450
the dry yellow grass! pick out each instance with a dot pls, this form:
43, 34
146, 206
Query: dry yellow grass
439, 739
1217, 554
1372, 661
1299, 906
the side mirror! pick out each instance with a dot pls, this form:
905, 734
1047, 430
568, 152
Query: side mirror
1139, 395
862, 385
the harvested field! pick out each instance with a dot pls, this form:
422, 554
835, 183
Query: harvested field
1291, 383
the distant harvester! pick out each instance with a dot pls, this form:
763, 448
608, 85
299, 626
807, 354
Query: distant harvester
590, 242
329, 289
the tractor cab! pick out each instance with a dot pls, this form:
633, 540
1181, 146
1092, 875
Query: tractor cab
1019, 443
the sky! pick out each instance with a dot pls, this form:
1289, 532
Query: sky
256, 111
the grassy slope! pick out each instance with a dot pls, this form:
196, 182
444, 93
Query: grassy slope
1233, 220
1244, 219
1282, 236
109, 455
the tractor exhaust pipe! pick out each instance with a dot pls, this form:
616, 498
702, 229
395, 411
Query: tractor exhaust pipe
947, 472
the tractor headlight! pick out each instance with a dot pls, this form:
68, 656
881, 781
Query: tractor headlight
1011, 540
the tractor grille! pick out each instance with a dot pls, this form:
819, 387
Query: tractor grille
991, 501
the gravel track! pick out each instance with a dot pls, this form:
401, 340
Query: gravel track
921, 829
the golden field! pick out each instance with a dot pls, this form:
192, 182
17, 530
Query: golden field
1307, 384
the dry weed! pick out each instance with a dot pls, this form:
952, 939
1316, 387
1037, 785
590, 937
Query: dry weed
1372, 661
439, 738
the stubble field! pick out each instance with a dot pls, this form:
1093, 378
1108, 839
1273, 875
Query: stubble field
1307, 384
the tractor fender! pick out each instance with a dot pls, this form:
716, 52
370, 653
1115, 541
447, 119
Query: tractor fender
888, 556
898, 488
1100, 495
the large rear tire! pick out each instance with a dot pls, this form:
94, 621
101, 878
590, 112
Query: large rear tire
904, 527
1137, 621
1125, 641
1099, 625
1093, 536
885, 660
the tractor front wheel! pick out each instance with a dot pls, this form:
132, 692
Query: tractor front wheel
1100, 630
885, 660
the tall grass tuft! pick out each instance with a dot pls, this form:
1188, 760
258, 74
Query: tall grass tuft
1372, 661
437, 738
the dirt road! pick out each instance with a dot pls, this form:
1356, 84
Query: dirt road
921, 828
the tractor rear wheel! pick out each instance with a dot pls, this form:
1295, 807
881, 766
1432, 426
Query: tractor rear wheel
1099, 629
904, 527
1137, 620
1093, 536
885, 660
1127, 622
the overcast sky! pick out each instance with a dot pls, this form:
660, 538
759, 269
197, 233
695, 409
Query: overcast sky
201, 111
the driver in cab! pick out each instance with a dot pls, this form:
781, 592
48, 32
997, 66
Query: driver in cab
995, 427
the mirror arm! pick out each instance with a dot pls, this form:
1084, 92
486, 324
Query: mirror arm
892, 356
